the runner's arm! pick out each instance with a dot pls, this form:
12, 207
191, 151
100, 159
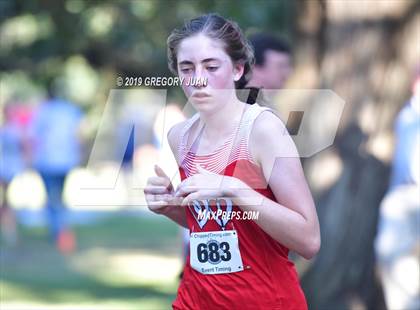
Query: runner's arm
292, 220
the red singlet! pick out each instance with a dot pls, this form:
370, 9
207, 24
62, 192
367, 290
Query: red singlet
269, 279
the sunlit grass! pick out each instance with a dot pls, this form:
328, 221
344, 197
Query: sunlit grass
122, 262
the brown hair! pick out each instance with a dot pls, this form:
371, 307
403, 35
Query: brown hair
216, 27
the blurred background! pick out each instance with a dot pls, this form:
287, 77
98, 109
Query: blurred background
59, 61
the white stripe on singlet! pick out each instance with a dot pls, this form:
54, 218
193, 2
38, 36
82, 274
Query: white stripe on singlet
235, 148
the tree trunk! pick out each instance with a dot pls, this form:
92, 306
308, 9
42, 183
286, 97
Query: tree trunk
366, 52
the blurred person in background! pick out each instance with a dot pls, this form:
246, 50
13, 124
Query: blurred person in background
272, 68
12, 163
398, 240
56, 150
132, 132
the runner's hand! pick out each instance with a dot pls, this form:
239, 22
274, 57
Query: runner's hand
159, 192
204, 185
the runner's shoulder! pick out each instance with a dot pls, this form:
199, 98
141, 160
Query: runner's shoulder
267, 126
174, 134
270, 138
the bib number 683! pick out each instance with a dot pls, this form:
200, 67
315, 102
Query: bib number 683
213, 252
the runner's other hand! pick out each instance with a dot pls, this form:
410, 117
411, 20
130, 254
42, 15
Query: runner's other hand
159, 192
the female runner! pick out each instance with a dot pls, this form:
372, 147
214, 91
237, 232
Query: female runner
233, 158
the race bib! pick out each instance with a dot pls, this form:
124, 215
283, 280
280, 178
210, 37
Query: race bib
214, 252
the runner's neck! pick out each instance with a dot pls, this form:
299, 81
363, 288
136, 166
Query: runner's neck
220, 123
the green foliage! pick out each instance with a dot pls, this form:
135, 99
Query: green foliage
86, 44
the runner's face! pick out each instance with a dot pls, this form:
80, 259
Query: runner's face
202, 58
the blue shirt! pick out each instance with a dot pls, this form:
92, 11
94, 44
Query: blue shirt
54, 129
405, 168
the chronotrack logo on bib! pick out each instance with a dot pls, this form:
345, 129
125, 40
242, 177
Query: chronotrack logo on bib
227, 215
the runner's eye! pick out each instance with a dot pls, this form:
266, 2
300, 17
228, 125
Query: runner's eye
186, 70
212, 68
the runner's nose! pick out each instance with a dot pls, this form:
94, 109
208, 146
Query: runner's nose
200, 78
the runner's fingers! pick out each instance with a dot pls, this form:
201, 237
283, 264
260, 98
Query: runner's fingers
190, 197
159, 181
157, 206
158, 197
176, 201
163, 197
149, 198
185, 190
187, 182
155, 189
159, 171
156, 203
